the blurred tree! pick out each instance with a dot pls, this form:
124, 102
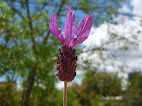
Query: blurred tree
7, 94
72, 99
28, 52
43, 96
133, 93
76, 89
99, 83
25, 51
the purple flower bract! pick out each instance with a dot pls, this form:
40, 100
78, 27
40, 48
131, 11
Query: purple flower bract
82, 31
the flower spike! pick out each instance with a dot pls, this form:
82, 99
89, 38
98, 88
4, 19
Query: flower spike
66, 70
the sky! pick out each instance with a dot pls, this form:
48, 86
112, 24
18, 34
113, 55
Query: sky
133, 57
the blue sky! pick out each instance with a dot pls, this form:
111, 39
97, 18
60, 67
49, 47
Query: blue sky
100, 33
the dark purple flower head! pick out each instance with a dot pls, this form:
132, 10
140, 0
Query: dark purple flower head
67, 58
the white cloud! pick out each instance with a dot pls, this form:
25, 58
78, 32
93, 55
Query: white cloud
137, 7
136, 10
96, 36
127, 28
60, 85
125, 8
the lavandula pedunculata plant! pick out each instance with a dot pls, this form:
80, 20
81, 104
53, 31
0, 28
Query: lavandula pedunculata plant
66, 70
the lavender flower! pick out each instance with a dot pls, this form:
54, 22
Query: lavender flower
67, 58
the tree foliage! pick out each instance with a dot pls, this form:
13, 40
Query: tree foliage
28, 51
99, 83
133, 94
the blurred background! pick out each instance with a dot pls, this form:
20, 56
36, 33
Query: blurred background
109, 71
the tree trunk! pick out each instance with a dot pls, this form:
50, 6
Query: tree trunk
28, 88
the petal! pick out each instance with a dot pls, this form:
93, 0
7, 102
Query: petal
61, 39
69, 27
84, 29
73, 42
55, 30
